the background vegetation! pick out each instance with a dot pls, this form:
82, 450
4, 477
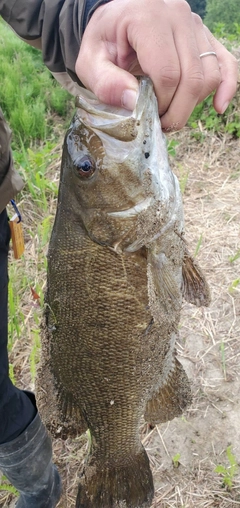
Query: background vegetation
31, 100
223, 11
39, 111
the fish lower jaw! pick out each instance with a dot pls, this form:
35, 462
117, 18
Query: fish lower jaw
134, 210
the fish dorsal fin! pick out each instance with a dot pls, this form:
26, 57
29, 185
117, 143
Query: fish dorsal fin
194, 286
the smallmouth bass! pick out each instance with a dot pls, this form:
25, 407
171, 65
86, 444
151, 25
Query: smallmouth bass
118, 268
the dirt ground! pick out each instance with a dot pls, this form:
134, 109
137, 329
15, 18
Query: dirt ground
185, 452
209, 345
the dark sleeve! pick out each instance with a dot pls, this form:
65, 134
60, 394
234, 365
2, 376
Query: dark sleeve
58, 24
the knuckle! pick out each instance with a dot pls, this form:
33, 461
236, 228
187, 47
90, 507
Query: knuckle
185, 7
169, 77
196, 83
197, 20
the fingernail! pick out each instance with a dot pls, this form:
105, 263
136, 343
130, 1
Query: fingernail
225, 106
129, 99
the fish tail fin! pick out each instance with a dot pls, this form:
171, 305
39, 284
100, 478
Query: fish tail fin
128, 484
194, 287
172, 398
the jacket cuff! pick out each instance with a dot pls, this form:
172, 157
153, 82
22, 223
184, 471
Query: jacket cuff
90, 7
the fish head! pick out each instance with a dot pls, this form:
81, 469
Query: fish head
115, 170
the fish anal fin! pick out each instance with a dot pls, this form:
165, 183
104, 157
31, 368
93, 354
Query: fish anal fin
172, 398
194, 286
116, 485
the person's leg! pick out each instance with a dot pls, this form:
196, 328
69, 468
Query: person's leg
25, 447
16, 409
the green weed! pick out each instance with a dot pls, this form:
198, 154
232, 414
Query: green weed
210, 120
44, 230
6, 486
221, 32
171, 146
228, 472
235, 283
235, 257
176, 460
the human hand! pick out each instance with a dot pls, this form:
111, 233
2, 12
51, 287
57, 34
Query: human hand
162, 39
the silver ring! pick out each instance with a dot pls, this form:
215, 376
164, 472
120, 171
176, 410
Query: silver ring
208, 53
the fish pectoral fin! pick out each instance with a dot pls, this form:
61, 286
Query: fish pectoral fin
166, 285
194, 286
172, 398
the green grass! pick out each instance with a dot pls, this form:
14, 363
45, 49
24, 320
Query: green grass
29, 96
38, 111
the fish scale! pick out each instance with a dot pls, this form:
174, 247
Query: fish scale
117, 269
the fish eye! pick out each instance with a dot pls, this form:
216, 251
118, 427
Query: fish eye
85, 166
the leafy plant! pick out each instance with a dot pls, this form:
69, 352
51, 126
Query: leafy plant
221, 32
171, 146
228, 472
6, 486
223, 11
176, 460
212, 121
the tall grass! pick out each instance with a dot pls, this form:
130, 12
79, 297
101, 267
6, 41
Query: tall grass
38, 111
29, 96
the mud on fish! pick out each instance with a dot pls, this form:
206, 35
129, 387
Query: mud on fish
118, 268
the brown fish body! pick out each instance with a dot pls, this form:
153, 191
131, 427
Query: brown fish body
115, 283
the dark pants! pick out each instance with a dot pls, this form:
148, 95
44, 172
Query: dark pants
16, 409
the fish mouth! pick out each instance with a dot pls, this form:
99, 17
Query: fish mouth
133, 211
117, 122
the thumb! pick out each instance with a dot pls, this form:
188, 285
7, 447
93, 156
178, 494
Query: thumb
111, 84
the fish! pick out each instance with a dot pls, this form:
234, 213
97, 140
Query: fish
118, 269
